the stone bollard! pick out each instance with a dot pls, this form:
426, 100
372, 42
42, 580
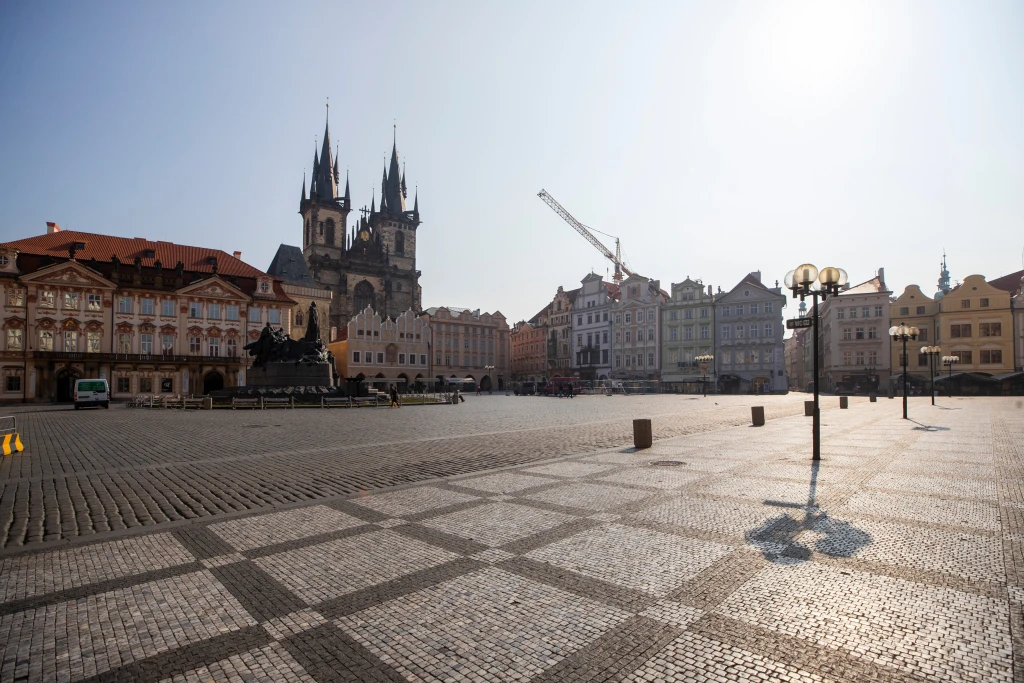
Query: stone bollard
808, 408
844, 402
207, 403
873, 398
642, 437
757, 415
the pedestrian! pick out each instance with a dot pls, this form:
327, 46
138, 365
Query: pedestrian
394, 397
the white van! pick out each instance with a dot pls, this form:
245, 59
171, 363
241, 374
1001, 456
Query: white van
91, 392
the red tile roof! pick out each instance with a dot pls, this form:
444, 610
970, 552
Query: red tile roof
1008, 283
103, 247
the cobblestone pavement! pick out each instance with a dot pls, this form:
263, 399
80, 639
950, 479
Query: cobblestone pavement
94, 472
718, 555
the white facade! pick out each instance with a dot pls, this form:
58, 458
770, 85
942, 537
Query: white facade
749, 354
636, 329
590, 349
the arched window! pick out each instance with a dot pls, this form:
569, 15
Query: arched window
363, 296
330, 232
298, 318
399, 242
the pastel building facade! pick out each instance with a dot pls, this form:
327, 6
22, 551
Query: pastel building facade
590, 336
687, 332
384, 351
748, 346
470, 345
636, 329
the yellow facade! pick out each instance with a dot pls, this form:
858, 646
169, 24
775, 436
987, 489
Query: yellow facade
917, 309
976, 323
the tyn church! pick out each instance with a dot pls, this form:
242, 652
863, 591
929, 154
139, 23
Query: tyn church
373, 263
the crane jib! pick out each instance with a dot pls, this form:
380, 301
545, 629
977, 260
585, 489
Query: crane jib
615, 258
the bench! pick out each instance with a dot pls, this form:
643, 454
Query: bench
278, 402
187, 403
328, 401
367, 400
253, 403
174, 403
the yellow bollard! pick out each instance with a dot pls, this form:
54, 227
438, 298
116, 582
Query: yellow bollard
12, 443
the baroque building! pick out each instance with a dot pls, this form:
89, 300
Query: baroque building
688, 331
590, 334
854, 337
540, 345
150, 317
373, 261
636, 329
748, 346
384, 351
469, 345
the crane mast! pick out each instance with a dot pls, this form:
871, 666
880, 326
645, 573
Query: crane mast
615, 258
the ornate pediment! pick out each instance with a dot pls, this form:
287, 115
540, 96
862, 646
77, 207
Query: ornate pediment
168, 329
213, 287
94, 326
70, 324
125, 327
195, 331
147, 326
213, 331
232, 334
14, 323
69, 274
45, 323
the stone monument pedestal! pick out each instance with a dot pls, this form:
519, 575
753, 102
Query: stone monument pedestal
290, 374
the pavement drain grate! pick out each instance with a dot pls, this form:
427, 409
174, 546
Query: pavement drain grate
668, 463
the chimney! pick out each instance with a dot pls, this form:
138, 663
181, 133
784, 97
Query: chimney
238, 255
881, 275
709, 291
51, 228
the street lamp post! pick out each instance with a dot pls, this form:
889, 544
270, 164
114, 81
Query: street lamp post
948, 361
704, 360
806, 281
904, 333
932, 352
490, 382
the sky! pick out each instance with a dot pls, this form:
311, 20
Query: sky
713, 138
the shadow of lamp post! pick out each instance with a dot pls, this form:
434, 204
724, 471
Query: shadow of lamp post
932, 352
904, 333
704, 360
806, 281
949, 361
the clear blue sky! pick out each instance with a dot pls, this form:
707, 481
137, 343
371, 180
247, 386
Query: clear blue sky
714, 138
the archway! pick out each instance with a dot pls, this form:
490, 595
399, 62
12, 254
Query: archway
66, 384
213, 381
362, 296
403, 386
485, 383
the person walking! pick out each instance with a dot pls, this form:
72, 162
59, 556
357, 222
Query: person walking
394, 397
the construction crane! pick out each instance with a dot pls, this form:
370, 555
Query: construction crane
615, 258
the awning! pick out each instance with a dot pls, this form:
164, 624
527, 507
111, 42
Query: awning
977, 376
1008, 375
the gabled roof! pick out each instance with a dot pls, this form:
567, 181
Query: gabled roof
750, 280
103, 247
290, 266
1009, 283
872, 286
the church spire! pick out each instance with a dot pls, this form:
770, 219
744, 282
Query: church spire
348, 197
944, 276
316, 170
303, 187
373, 203
326, 174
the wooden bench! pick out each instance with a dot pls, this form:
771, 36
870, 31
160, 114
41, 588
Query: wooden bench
253, 403
366, 400
174, 403
278, 402
196, 403
328, 401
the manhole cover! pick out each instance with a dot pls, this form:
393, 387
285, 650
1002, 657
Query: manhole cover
668, 463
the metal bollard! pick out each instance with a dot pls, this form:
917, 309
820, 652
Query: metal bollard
809, 408
757, 415
642, 437
844, 402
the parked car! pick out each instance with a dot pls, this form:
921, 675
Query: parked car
91, 392
527, 389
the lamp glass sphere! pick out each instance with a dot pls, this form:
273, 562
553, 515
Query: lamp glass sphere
805, 274
843, 277
893, 331
788, 280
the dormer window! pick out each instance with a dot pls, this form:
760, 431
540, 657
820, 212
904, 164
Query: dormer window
149, 253
79, 246
211, 260
264, 286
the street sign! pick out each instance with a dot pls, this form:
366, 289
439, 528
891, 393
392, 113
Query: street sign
797, 323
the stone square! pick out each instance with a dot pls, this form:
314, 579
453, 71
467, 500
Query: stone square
412, 501
589, 496
496, 524
278, 527
504, 482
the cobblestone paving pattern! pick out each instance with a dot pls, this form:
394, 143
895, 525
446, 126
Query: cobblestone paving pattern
718, 555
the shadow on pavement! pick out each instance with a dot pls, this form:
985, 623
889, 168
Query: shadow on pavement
928, 428
776, 537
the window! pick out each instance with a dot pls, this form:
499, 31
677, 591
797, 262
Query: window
703, 312
739, 310
904, 310
853, 312
274, 316
769, 307
13, 381
423, 359
639, 360
146, 343
232, 311
146, 306
628, 335
590, 340
650, 315
15, 297
753, 355
956, 331
872, 357
704, 331
605, 336
725, 331
124, 304
145, 385
727, 357
965, 303
618, 318
213, 312
604, 317
254, 314
990, 330
70, 341
841, 313
725, 311
629, 318
232, 346
213, 344
71, 300
753, 331
878, 311
673, 315
167, 344
124, 385
768, 354
195, 309
604, 356
966, 357
14, 340
860, 333
650, 359
650, 334
124, 342
739, 331
688, 330
195, 345
46, 299
873, 333
991, 357
93, 302
847, 357
579, 320
865, 312
590, 318
753, 309
847, 333
741, 356
380, 358
618, 361
859, 358
768, 331
167, 308
984, 303
618, 337
166, 385
923, 334
688, 314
